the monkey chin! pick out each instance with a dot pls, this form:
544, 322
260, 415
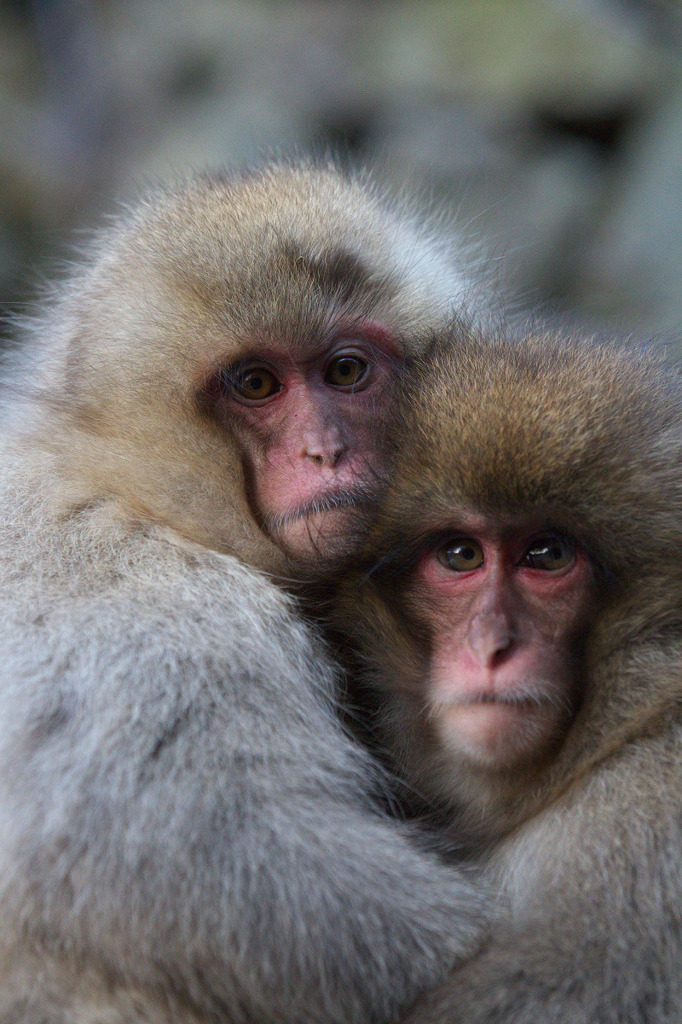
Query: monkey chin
496, 735
324, 538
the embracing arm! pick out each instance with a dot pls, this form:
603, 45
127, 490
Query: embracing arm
186, 829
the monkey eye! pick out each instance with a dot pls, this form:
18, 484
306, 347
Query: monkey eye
550, 552
346, 371
254, 384
461, 554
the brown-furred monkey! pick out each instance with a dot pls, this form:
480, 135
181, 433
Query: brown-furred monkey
186, 833
518, 620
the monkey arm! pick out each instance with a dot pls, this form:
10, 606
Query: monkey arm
595, 931
180, 813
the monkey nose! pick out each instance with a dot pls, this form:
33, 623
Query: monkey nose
328, 455
490, 636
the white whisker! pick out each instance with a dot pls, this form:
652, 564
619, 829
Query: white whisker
355, 497
535, 693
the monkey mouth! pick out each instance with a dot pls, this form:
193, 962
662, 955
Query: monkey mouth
357, 497
520, 696
519, 700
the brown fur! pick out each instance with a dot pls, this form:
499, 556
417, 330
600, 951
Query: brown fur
586, 438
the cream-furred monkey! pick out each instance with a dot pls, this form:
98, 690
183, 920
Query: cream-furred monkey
186, 832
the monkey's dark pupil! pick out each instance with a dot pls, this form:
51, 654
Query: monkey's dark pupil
256, 383
346, 367
552, 552
346, 371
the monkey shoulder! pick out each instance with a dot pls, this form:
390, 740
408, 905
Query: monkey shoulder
65, 554
113, 625
599, 875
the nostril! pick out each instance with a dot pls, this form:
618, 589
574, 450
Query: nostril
336, 454
330, 457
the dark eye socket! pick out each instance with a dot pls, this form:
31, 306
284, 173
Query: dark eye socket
550, 552
461, 554
346, 372
254, 383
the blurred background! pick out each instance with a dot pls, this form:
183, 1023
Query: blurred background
551, 128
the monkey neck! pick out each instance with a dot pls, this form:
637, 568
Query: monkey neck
481, 808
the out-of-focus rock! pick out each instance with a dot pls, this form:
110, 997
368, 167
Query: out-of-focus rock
633, 264
550, 127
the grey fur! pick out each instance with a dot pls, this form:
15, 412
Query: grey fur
186, 833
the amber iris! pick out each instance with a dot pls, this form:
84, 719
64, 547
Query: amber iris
462, 554
550, 552
346, 372
256, 383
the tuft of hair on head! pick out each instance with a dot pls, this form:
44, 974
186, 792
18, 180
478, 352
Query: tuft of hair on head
586, 431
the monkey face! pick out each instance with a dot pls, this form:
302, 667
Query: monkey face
310, 431
233, 355
505, 611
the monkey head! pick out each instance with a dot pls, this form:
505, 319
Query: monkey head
224, 362
530, 539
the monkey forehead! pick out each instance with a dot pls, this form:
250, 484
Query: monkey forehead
585, 434
290, 240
